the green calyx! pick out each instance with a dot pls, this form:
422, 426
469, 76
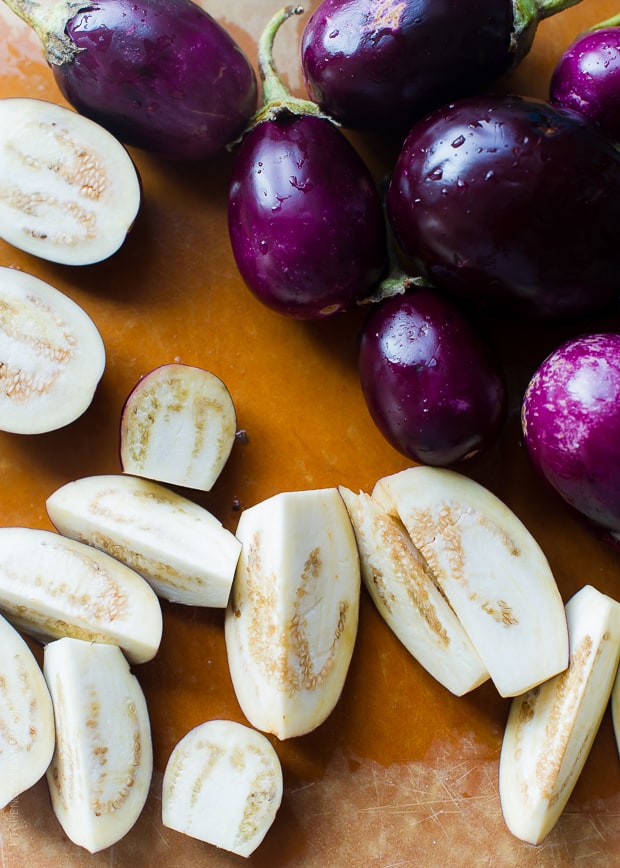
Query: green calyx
49, 24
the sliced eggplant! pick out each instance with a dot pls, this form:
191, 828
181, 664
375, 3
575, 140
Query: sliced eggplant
69, 191
292, 618
52, 586
181, 549
178, 426
490, 569
100, 775
551, 729
223, 785
52, 356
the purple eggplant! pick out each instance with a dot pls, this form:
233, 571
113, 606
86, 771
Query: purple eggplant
431, 382
513, 205
383, 64
586, 78
571, 426
305, 217
161, 75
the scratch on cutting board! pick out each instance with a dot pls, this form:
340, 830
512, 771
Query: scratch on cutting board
395, 816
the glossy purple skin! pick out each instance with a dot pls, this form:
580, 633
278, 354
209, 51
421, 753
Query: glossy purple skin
431, 384
369, 64
587, 78
305, 218
513, 205
161, 75
571, 426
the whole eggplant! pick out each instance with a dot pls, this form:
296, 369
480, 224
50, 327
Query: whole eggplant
513, 205
586, 78
431, 382
571, 426
305, 218
383, 64
161, 75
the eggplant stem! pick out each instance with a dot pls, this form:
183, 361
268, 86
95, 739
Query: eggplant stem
273, 86
278, 102
396, 281
29, 11
614, 21
547, 8
49, 25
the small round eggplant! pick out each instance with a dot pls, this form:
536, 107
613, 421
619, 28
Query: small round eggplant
511, 204
161, 75
383, 65
430, 381
587, 77
571, 426
305, 218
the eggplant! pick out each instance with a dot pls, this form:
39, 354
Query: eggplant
160, 75
383, 65
511, 205
430, 381
571, 427
586, 78
306, 221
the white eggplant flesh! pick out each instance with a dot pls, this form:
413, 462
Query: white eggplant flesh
26, 716
180, 548
407, 598
490, 569
223, 785
551, 729
100, 774
615, 709
52, 356
178, 427
291, 622
69, 191
52, 586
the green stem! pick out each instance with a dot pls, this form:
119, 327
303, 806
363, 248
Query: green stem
547, 8
614, 21
526, 16
277, 98
49, 25
30, 12
273, 86
396, 281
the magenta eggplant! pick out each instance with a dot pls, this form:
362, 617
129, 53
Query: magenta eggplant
161, 75
383, 65
587, 78
432, 384
571, 426
513, 205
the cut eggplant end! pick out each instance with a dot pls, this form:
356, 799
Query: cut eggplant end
181, 549
291, 622
405, 595
551, 729
52, 586
26, 717
178, 427
69, 191
490, 569
100, 775
223, 785
52, 356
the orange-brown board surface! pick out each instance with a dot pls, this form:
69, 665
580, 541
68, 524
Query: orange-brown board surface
402, 772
